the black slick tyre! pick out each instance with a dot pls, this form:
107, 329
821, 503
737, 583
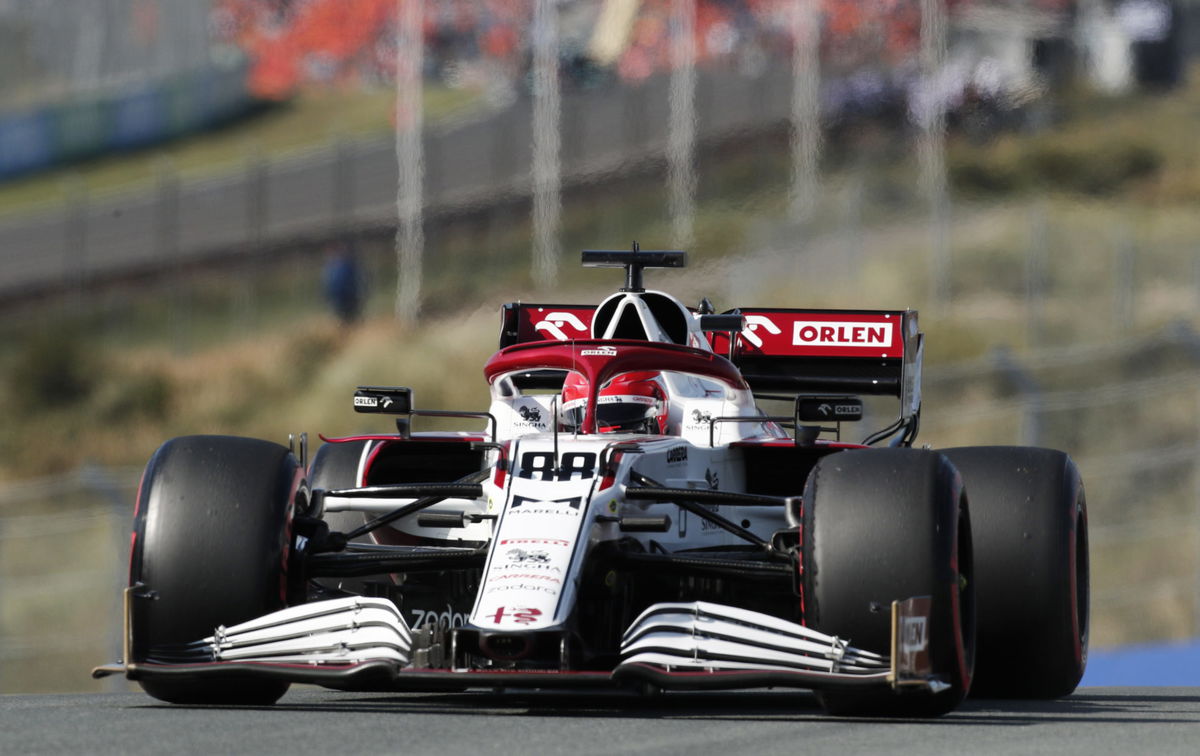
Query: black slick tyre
1031, 569
211, 545
881, 525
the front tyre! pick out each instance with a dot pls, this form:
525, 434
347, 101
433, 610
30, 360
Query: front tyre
881, 525
211, 546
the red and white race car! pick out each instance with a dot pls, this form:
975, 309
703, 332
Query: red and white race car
628, 515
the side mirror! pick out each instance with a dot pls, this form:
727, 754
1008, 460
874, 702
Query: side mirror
828, 409
383, 400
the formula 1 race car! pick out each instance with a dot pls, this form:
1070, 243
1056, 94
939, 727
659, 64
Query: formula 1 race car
628, 514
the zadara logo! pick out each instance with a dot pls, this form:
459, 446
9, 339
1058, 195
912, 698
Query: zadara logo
841, 334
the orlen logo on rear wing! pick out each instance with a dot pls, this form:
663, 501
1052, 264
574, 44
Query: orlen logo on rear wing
520, 323
822, 334
862, 351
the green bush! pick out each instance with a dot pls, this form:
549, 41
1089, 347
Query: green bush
1080, 165
126, 397
53, 368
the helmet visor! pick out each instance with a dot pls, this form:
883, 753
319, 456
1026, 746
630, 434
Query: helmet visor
624, 412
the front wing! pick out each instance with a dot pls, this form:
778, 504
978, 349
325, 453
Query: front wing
364, 644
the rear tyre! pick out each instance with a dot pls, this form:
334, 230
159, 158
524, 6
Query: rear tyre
1031, 569
211, 545
881, 525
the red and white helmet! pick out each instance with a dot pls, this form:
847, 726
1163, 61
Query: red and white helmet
630, 403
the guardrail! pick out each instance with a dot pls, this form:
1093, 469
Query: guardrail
133, 117
614, 131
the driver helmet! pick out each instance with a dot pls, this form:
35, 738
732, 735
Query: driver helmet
630, 403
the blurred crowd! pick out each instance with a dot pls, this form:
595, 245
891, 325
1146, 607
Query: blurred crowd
487, 43
993, 57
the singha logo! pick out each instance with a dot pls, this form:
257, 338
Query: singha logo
701, 417
710, 477
530, 414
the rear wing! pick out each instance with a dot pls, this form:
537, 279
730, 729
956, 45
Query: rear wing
873, 352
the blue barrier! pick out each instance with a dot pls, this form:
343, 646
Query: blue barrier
64, 132
1156, 664
138, 119
25, 142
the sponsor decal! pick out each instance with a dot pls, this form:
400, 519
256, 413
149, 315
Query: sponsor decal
544, 511
755, 322
527, 576
521, 556
677, 455
523, 587
536, 541
837, 410
914, 635
714, 482
701, 417
541, 465
554, 322
572, 502
625, 399
530, 415
433, 618
519, 615
599, 352
366, 401
841, 334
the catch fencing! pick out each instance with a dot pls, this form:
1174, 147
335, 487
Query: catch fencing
326, 192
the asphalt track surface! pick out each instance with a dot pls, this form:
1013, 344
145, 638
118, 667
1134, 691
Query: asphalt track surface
308, 720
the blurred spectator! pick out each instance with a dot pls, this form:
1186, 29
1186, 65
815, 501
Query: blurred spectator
1153, 30
343, 283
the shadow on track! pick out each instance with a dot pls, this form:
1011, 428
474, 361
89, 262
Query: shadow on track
1091, 705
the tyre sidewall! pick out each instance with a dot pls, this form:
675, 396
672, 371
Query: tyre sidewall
210, 547
882, 525
1031, 568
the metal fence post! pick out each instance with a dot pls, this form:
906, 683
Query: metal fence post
1123, 281
806, 108
931, 148
681, 134
166, 232
101, 481
75, 237
1029, 432
343, 185
1035, 275
547, 121
410, 158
